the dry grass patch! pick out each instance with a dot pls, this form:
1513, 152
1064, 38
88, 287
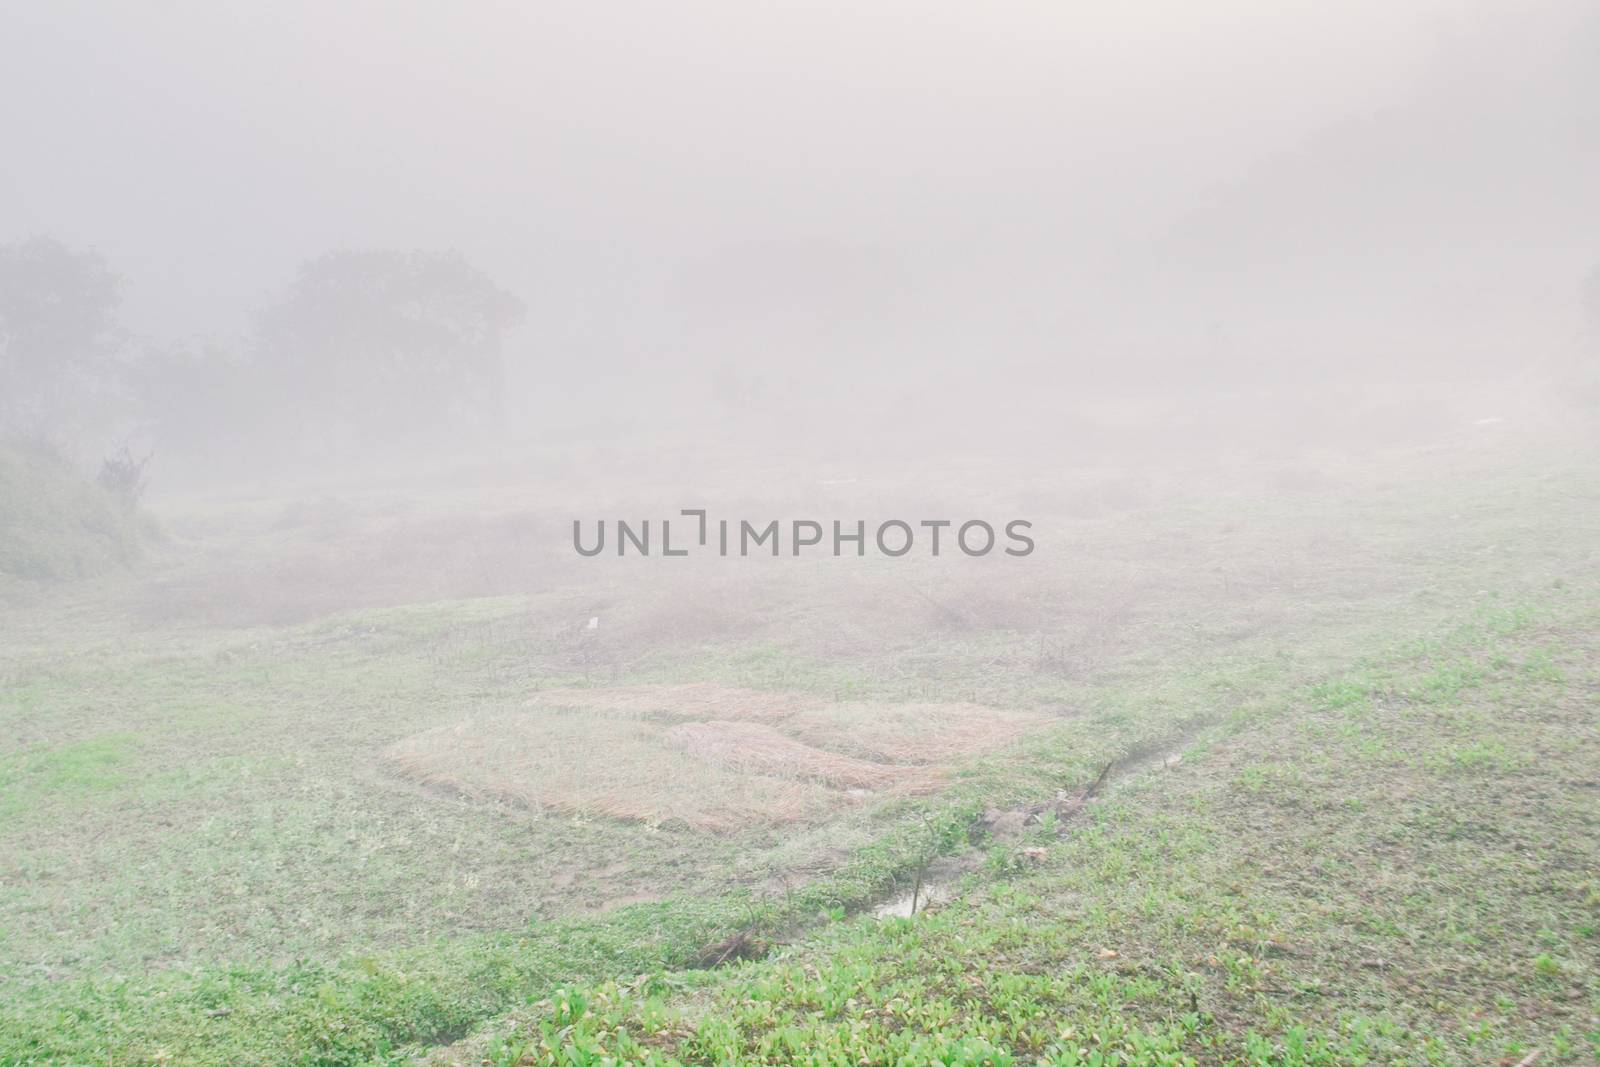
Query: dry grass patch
756, 748
581, 764
685, 702
911, 733
701, 755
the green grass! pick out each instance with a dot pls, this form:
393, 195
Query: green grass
78, 771
200, 863
1290, 895
1236, 878
55, 524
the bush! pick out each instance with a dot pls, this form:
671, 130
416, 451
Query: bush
55, 524
123, 477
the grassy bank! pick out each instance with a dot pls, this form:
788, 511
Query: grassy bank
55, 524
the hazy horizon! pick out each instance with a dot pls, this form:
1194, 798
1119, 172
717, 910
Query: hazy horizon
1074, 197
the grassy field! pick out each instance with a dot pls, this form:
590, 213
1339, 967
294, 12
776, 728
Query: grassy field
1397, 864
1380, 842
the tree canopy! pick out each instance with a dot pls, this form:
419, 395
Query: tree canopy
373, 342
58, 323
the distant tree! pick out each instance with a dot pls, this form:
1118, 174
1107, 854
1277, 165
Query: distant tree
200, 404
383, 346
58, 326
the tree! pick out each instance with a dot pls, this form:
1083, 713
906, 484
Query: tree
383, 346
58, 326
201, 405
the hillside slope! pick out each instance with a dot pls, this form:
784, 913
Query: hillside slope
56, 525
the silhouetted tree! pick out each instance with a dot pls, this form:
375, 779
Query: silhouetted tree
381, 346
58, 326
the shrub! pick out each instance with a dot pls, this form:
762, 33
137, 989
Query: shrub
54, 523
123, 477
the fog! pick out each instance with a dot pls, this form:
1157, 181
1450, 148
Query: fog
789, 201
504, 504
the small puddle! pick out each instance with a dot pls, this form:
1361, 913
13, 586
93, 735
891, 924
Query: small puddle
900, 907
940, 885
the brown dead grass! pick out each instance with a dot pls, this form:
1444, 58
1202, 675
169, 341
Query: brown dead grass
710, 757
910, 733
756, 748
578, 764
685, 702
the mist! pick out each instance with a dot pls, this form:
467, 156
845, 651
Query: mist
895, 533
770, 202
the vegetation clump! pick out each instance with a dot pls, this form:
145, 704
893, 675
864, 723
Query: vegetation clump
56, 525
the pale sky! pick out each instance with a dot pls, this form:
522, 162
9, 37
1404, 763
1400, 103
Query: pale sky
592, 156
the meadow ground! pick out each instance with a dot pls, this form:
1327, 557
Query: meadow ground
1395, 865
1380, 842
